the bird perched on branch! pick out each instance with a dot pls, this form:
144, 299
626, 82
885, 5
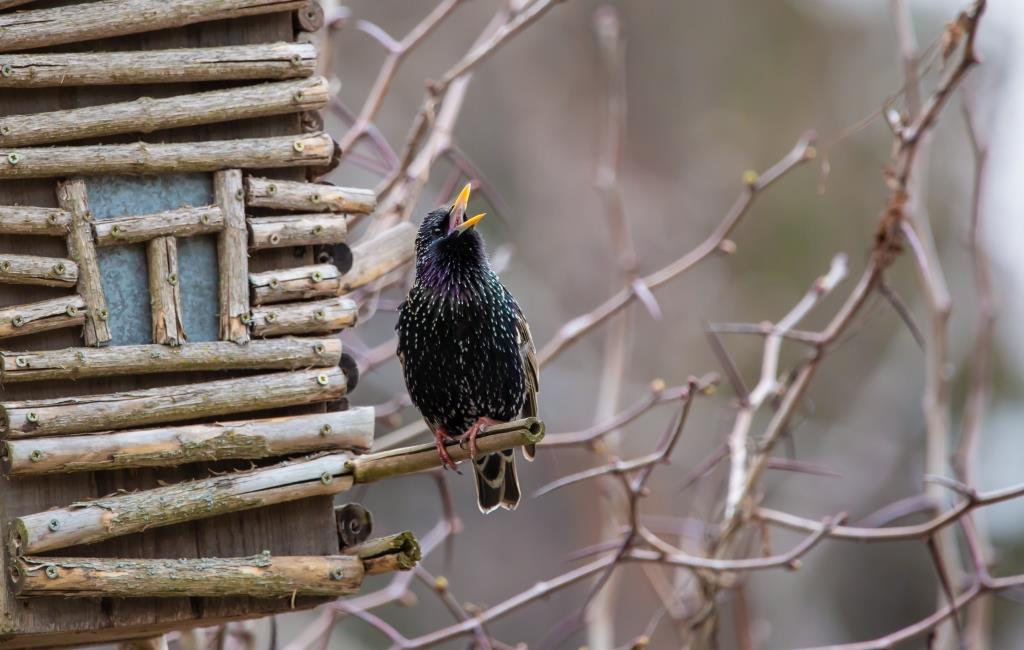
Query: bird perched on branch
466, 349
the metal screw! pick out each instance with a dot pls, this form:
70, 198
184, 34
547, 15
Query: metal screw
6, 70
324, 430
52, 572
103, 314
314, 198
18, 320
298, 95
32, 416
5, 130
271, 316
172, 279
59, 268
21, 362
326, 478
87, 216
54, 524
52, 218
14, 158
71, 310
5, 265
245, 318
275, 238
338, 574
319, 348
296, 59
323, 379
274, 283
36, 456
116, 231
317, 229
319, 315
317, 276
271, 189
239, 194
298, 146
205, 219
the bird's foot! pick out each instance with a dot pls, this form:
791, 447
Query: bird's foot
440, 438
473, 431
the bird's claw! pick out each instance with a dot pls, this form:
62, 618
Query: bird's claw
442, 451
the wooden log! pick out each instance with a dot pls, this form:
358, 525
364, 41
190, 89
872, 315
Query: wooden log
232, 258
398, 552
308, 197
379, 255
297, 283
71, 195
296, 230
19, 220
409, 460
269, 61
145, 115
18, 320
165, 291
99, 519
350, 430
354, 524
81, 363
148, 158
309, 17
32, 269
35, 418
183, 222
317, 317
258, 576
24, 30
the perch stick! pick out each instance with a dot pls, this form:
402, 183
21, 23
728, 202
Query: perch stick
42, 316
321, 316
146, 114
351, 430
43, 271
71, 195
165, 291
33, 418
398, 552
259, 576
296, 230
296, 283
232, 258
99, 519
78, 363
20, 220
374, 257
308, 197
25, 30
149, 158
183, 222
269, 61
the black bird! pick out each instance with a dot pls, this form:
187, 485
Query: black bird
465, 348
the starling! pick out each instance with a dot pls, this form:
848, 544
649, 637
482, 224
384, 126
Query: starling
465, 348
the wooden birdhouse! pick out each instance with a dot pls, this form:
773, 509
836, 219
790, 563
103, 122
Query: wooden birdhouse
174, 407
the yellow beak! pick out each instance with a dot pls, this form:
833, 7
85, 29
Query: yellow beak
458, 210
469, 223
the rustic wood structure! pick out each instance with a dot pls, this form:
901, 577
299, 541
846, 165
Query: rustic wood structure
208, 441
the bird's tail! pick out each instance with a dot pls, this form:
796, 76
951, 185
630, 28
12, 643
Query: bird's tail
497, 485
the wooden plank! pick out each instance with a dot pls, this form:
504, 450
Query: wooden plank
184, 222
243, 62
43, 316
38, 270
21, 220
308, 197
296, 230
232, 258
296, 283
165, 291
317, 317
72, 197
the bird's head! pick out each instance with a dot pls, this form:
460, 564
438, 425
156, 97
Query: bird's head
448, 243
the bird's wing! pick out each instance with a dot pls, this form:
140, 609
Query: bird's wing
531, 371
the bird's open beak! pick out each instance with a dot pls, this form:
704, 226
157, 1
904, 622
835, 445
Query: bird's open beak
457, 221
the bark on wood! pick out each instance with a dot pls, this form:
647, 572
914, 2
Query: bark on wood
308, 197
146, 114
71, 196
270, 61
18, 220
296, 230
35, 418
148, 158
165, 291
309, 17
99, 519
34, 28
232, 258
379, 255
398, 552
183, 222
31, 269
318, 317
18, 320
259, 576
297, 283
350, 430
80, 363
408, 460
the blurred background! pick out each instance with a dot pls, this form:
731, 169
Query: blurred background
714, 89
